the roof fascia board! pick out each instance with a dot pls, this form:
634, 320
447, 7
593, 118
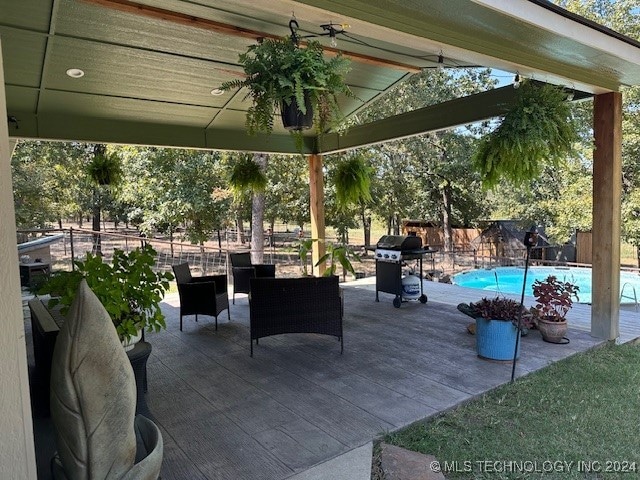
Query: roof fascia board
586, 33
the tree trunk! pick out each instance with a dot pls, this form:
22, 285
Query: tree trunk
366, 224
446, 217
98, 149
257, 215
239, 229
95, 225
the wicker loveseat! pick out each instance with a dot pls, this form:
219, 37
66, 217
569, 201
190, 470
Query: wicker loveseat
295, 305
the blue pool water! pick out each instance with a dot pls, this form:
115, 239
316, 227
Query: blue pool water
509, 280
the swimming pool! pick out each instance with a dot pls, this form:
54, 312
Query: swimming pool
509, 280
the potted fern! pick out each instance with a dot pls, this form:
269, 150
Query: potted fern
538, 128
298, 82
352, 179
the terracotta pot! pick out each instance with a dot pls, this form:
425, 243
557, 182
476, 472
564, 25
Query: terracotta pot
551, 331
293, 118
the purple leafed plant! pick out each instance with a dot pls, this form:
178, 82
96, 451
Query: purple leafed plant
554, 298
500, 309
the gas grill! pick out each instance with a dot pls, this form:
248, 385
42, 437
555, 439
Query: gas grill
391, 254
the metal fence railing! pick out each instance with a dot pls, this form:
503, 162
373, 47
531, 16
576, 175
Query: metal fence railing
203, 259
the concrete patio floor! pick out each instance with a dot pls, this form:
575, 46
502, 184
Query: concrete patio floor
298, 403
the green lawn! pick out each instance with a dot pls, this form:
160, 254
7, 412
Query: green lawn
577, 415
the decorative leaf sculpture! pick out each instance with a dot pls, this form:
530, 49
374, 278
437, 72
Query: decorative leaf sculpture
93, 394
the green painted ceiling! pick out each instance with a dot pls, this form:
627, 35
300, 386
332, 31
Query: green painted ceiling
148, 80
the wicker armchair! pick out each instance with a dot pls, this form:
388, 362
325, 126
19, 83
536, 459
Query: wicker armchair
205, 295
243, 271
295, 305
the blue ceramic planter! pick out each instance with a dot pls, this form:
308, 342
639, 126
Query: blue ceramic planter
496, 339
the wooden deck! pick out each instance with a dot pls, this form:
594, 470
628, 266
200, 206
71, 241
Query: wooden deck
298, 402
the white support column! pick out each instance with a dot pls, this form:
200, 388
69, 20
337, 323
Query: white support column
607, 187
17, 454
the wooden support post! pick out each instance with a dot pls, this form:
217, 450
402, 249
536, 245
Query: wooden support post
607, 184
17, 452
316, 201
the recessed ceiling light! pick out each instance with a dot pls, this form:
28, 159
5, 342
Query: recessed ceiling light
217, 92
75, 73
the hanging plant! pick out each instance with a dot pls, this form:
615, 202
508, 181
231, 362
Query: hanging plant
352, 179
279, 73
105, 169
537, 129
247, 175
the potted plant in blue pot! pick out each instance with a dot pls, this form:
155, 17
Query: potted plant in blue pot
496, 327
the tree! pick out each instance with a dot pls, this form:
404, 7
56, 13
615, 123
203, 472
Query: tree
287, 198
428, 176
561, 198
50, 182
248, 177
257, 214
166, 188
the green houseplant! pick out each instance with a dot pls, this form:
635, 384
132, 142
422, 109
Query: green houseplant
537, 128
338, 254
105, 169
128, 288
303, 246
554, 299
280, 74
352, 179
496, 326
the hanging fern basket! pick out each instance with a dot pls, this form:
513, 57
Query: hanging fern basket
293, 118
537, 130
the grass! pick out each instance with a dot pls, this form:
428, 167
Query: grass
583, 409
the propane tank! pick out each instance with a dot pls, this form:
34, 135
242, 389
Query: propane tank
410, 287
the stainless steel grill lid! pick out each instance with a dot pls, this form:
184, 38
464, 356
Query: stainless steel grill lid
399, 242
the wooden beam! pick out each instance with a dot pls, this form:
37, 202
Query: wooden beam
607, 186
136, 8
453, 113
316, 201
460, 111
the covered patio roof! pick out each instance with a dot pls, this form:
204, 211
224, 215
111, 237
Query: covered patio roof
150, 65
